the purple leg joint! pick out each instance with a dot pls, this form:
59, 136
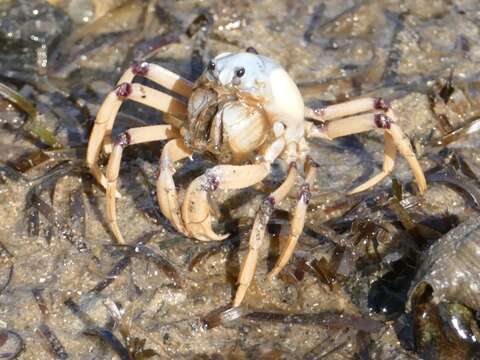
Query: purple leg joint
305, 195
266, 209
123, 90
311, 162
140, 68
212, 183
268, 204
123, 139
381, 104
382, 121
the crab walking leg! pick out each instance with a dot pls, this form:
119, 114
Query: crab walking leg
257, 234
167, 196
195, 209
388, 164
404, 147
298, 220
129, 137
109, 109
160, 75
370, 121
347, 108
155, 73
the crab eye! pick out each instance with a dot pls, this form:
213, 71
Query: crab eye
240, 72
211, 65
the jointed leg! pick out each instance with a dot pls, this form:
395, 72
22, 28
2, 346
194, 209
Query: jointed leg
195, 209
298, 219
169, 80
146, 96
109, 109
101, 132
160, 75
129, 137
167, 197
347, 108
388, 164
385, 120
258, 233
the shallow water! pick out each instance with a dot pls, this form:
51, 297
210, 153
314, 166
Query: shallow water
56, 251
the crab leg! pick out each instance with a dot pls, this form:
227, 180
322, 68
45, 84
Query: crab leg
388, 164
366, 122
167, 196
257, 234
160, 75
109, 109
347, 108
385, 120
195, 209
298, 220
166, 78
130, 137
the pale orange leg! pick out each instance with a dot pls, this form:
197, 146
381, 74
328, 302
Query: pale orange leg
109, 110
129, 137
347, 108
174, 150
147, 96
160, 75
166, 78
196, 212
101, 132
298, 220
257, 234
385, 120
388, 164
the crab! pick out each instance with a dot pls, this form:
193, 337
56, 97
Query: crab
246, 112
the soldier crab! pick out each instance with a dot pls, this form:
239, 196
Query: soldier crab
247, 112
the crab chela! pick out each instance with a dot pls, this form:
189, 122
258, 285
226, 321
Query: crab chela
246, 112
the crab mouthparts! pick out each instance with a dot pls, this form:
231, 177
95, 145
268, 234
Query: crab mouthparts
205, 124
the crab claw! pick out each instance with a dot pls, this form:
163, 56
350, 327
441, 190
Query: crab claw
167, 196
196, 212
